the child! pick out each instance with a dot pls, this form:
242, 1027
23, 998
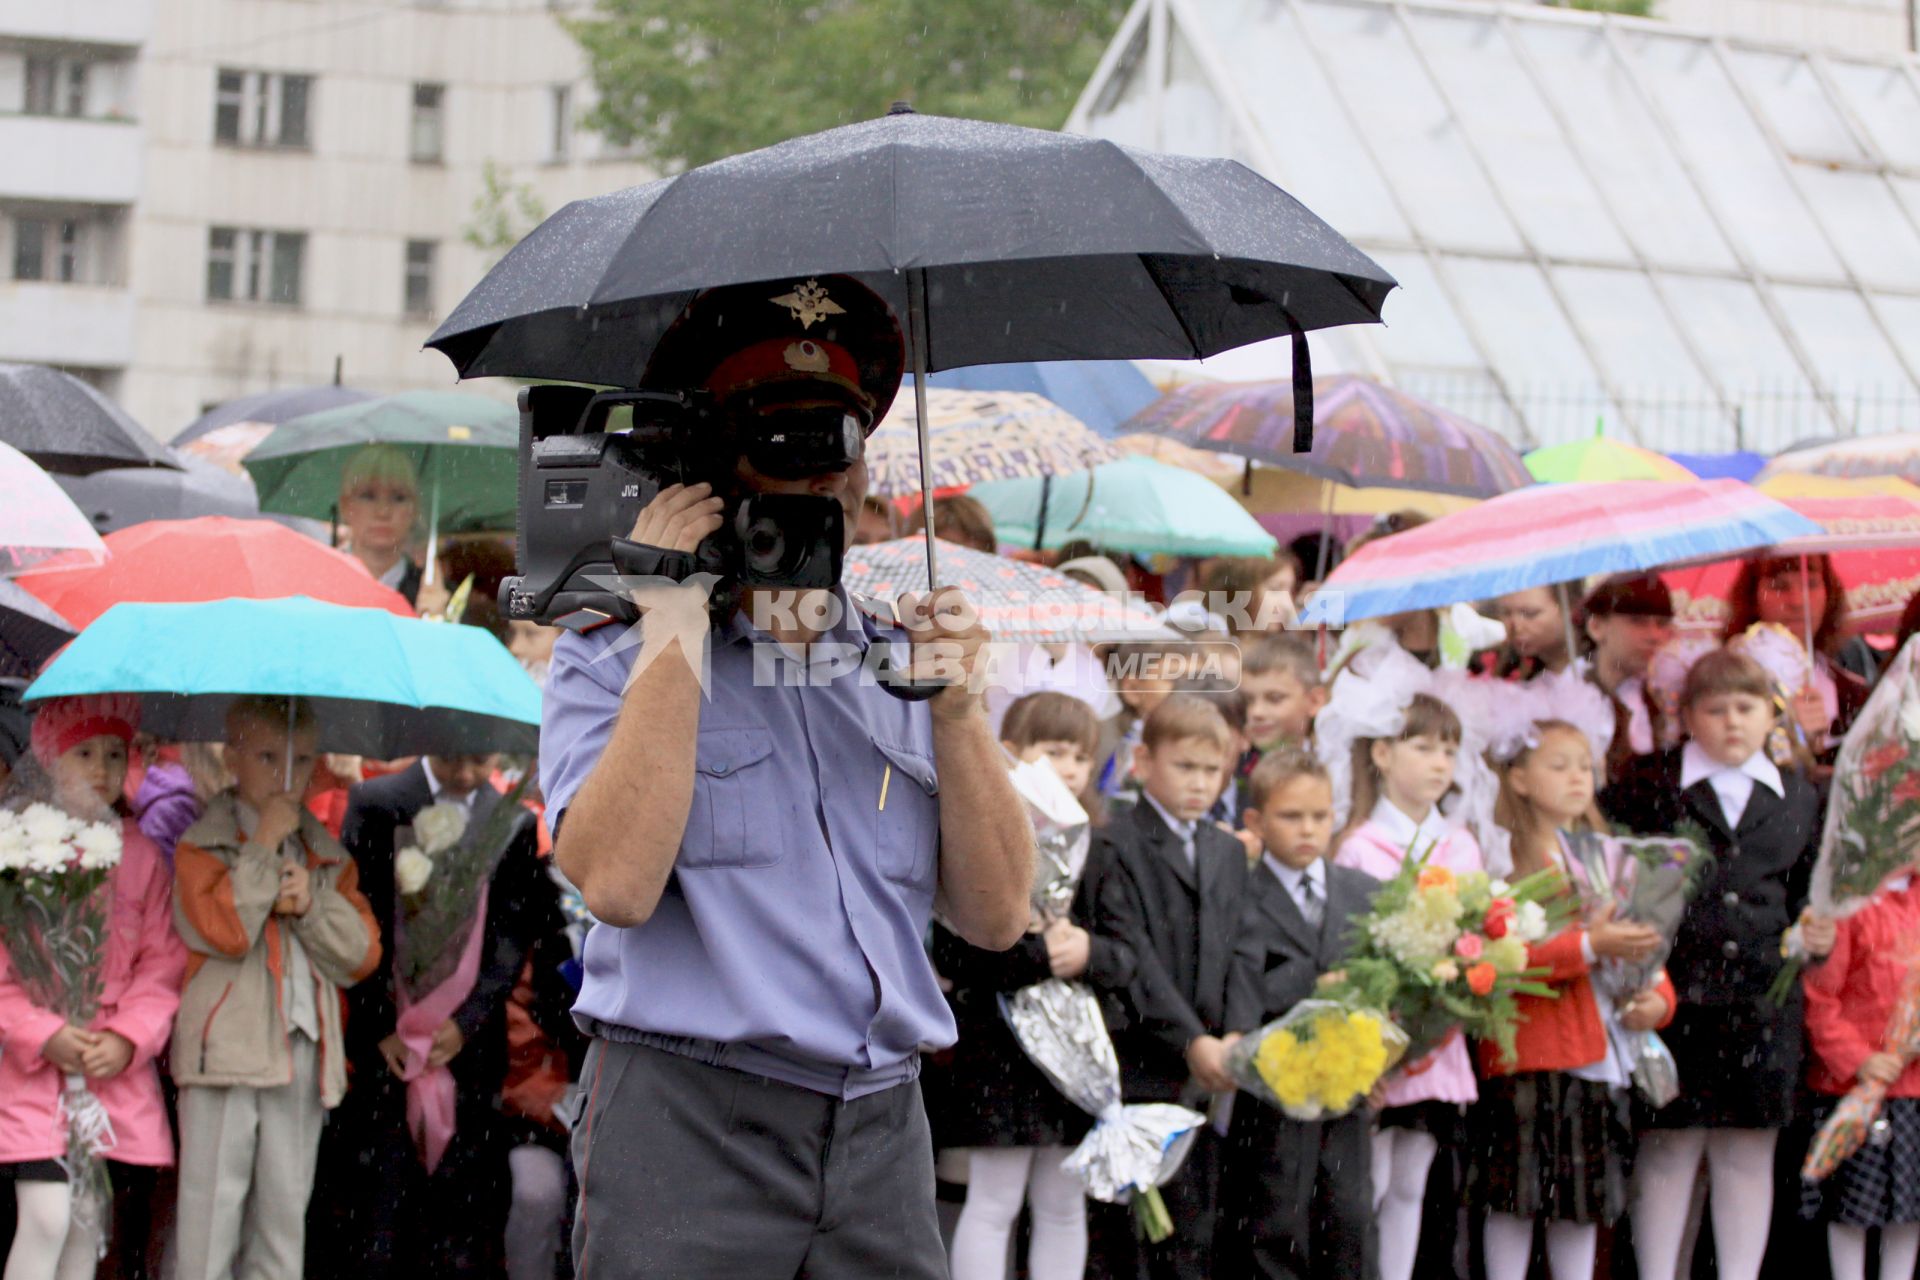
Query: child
1016, 1126
1280, 681
269, 904
1399, 775
1143, 679
1850, 1001
81, 744
1172, 897
1738, 1053
1550, 1137
379, 501
1296, 1196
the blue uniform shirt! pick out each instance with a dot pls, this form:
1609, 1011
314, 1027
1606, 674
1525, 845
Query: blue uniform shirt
792, 926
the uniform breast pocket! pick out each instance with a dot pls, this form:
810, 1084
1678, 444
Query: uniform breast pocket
907, 814
729, 824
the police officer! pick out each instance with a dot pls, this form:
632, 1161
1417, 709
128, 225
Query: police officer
764, 859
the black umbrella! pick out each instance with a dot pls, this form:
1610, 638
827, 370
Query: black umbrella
30, 632
128, 495
273, 407
996, 243
67, 427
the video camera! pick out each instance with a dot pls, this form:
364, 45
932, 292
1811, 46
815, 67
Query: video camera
591, 460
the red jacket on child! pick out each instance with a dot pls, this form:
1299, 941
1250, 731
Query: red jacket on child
1850, 996
1565, 1033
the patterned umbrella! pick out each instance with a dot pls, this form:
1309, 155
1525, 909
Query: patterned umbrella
1365, 435
1894, 454
974, 436
1017, 601
1548, 534
1598, 458
38, 520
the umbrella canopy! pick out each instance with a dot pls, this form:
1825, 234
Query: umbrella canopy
134, 495
465, 449
1870, 528
1026, 245
211, 558
1101, 393
1722, 466
1136, 505
1548, 534
1276, 490
382, 686
66, 426
1017, 601
30, 632
1598, 458
1894, 454
38, 521
1365, 435
270, 409
975, 436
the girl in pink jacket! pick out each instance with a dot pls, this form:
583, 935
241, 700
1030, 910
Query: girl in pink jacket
82, 744
1398, 781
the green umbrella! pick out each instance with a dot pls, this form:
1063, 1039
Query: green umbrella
1137, 505
465, 449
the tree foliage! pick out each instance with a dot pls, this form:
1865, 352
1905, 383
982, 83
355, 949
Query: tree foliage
688, 81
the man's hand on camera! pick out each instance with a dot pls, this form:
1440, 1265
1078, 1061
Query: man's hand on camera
949, 642
679, 516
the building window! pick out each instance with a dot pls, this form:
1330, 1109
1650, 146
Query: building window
29, 249
244, 265
425, 140
261, 109
559, 143
51, 249
56, 86
419, 282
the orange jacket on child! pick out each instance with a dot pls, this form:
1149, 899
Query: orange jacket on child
1850, 996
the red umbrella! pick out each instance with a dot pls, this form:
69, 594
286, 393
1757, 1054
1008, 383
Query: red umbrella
211, 558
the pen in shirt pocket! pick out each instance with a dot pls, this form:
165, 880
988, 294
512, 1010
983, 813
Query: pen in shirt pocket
885, 779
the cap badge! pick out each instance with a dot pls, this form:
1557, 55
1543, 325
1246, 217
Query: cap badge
807, 357
809, 302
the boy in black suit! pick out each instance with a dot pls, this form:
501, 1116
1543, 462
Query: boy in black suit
1172, 893
1297, 1196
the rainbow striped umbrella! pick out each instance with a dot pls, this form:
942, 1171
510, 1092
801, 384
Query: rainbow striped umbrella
1598, 458
1552, 533
1365, 435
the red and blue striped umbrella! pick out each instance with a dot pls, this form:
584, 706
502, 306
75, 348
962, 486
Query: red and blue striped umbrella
1553, 533
1365, 435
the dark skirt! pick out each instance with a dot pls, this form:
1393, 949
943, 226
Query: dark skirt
1446, 1121
1739, 1065
1878, 1185
1546, 1144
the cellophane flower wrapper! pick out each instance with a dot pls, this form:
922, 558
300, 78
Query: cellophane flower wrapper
1441, 951
1318, 1060
1061, 835
54, 920
1872, 831
1131, 1148
1853, 1121
435, 922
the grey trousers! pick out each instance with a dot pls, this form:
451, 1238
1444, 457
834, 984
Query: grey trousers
246, 1172
689, 1170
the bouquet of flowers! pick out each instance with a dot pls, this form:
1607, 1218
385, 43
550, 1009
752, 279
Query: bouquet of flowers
1130, 1150
1441, 951
1873, 821
1319, 1059
1649, 880
53, 921
440, 870
1857, 1117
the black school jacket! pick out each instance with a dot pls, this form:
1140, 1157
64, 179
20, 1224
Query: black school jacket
1278, 957
1728, 948
1178, 924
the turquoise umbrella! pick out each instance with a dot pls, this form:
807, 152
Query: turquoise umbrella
1138, 505
465, 449
381, 685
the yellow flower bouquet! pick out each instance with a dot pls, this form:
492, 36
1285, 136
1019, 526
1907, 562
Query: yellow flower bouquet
1319, 1059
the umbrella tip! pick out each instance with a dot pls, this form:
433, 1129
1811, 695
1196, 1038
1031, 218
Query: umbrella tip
901, 108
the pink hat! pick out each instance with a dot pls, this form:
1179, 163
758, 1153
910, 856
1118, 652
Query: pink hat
61, 724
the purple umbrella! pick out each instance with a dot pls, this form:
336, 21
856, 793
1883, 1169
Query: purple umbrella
1365, 435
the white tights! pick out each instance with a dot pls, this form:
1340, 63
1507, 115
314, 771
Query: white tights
1401, 1159
1509, 1241
47, 1243
1847, 1251
1741, 1183
537, 1211
998, 1180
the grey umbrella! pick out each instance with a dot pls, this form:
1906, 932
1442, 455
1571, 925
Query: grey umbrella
128, 495
273, 407
68, 427
30, 632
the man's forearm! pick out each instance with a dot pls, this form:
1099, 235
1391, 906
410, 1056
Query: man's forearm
623, 829
986, 839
